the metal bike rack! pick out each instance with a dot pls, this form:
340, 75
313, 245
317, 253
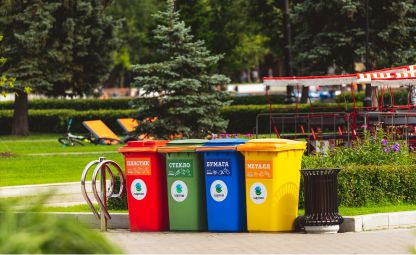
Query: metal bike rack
102, 167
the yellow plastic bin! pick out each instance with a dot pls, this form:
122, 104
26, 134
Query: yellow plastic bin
272, 170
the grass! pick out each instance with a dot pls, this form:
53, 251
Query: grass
370, 209
40, 159
75, 208
345, 211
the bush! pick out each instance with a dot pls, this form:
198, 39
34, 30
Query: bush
257, 100
25, 229
121, 103
375, 170
242, 119
114, 203
360, 185
400, 97
75, 104
49, 121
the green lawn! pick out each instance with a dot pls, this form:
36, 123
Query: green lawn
351, 211
41, 159
345, 211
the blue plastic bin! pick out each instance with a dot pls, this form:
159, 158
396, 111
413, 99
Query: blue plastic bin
224, 184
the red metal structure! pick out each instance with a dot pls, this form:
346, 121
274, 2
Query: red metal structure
324, 128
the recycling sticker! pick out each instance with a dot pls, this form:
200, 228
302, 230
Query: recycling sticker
138, 189
179, 191
219, 190
258, 193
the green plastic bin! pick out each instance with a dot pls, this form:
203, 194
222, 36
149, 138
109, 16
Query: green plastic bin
186, 185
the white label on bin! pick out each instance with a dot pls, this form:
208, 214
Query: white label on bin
219, 190
138, 189
258, 193
179, 191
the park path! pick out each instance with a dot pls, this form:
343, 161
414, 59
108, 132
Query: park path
391, 241
65, 194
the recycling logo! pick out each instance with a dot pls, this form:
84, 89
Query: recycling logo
179, 188
258, 193
179, 191
138, 189
258, 190
218, 190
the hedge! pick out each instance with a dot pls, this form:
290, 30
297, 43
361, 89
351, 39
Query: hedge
400, 97
359, 186
242, 119
55, 121
75, 104
122, 103
378, 184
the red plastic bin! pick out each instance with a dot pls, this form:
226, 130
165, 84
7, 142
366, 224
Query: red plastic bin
146, 186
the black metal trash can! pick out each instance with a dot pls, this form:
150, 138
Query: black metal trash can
320, 189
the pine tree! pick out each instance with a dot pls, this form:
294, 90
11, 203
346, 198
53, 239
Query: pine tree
186, 97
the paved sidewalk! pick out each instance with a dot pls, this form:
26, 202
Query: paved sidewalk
391, 241
65, 194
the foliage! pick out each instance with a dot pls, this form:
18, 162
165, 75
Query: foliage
56, 50
332, 33
242, 118
375, 148
400, 97
115, 203
75, 104
364, 185
241, 37
56, 120
123, 103
188, 96
6, 82
30, 231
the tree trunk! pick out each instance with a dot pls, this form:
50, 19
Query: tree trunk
20, 125
305, 93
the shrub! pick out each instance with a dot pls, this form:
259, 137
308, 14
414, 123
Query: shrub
30, 231
378, 148
242, 118
114, 203
361, 185
51, 121
400, 97
257, 100
75, 104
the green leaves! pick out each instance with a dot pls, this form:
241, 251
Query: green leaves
187, 96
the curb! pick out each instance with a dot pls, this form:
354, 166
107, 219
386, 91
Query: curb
118, 220
378, 221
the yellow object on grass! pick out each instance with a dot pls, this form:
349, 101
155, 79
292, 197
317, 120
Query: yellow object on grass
272, 171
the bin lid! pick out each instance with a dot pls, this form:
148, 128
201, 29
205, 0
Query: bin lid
272, 144
182, 145
222, 144
143, 146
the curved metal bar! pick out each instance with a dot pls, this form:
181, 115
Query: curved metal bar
122, 178
83, 189
111, 191
94, 189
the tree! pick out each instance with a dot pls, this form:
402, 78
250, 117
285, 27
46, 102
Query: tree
54, 47
137, 23
228, 27
186, 96
6, 82
333, 33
